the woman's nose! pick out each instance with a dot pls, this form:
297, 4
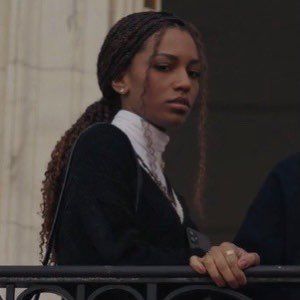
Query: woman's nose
183, 81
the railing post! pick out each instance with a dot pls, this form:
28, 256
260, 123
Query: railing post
10, 292
151, 291
80, 292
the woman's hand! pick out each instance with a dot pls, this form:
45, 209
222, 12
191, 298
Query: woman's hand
225, 263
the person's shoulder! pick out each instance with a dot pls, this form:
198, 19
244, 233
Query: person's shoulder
291, 159
105, 131
290, 164
104, 134
288, 171
104, 139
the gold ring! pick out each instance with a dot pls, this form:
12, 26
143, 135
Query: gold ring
229, 252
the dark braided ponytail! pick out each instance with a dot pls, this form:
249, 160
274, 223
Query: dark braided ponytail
124, 40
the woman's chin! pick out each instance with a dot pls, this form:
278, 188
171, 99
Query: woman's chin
170, 120
174, 121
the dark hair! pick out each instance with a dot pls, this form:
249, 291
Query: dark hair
122, 42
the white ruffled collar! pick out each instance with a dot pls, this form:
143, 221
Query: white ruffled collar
132, 125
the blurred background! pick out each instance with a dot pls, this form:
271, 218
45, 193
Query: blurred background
48, 52
254, 102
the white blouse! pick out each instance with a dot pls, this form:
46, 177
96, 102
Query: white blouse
131, 124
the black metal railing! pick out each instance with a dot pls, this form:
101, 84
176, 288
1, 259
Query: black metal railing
133, 282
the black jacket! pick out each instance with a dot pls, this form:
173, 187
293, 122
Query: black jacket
272, 224
99, 223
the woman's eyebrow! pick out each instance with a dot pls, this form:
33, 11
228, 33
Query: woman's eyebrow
175, 58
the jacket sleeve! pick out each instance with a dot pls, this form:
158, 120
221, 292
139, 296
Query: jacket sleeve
263, 229
101, 192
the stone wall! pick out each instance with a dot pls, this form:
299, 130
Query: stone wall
48, 52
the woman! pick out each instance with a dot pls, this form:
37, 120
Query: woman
151, 70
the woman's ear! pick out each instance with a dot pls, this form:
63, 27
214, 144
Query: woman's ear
120, 86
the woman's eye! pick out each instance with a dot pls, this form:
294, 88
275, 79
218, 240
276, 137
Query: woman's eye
195, 74
162, 68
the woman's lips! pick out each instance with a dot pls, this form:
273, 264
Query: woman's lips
179, 104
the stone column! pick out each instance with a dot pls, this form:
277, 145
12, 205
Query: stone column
48, 52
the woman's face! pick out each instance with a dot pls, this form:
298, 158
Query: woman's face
173, 80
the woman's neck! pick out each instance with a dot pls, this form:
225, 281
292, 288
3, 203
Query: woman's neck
162, 129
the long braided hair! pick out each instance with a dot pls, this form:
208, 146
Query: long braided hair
123, 41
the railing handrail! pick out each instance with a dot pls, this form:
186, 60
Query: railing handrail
136, 271
183, 279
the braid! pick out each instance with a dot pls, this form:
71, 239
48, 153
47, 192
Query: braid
123, 41
51, 185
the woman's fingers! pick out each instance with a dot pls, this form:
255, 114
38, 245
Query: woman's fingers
246, 260
197, 265
206, 265
209, 263
225, 264
226, 267
228, 251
